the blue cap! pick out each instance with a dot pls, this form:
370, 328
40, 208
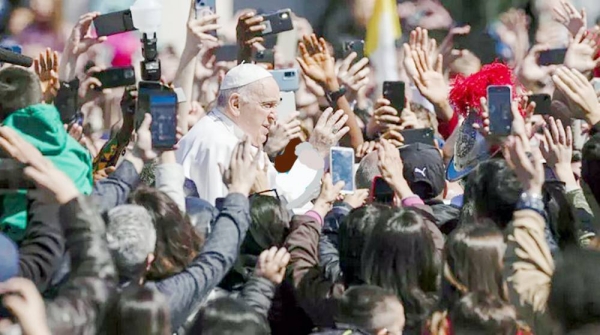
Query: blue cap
9, 258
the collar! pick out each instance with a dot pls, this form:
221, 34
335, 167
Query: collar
232, 128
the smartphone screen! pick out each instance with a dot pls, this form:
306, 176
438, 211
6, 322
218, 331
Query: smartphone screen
145, 90
553, 56
381, 191
342, 167
542, 103
394, 91
412, 136
163, 108
499, 103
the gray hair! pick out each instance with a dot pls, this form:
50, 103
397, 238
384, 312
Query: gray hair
367, 170
244, 91
131, 236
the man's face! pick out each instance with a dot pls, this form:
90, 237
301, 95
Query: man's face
258, 111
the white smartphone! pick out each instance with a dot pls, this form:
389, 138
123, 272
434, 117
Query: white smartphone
341, 166
287, 106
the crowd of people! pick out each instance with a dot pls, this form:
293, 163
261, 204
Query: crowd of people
241, 227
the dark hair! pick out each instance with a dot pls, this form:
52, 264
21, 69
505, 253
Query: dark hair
494, 190
400, 256
561, 216
473, 262
574, 299
177, 242
353, 233
478, 313
361, 305
229, 316
138, 310
269, 227
19, 88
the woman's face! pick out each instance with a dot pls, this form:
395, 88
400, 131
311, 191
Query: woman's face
42, 9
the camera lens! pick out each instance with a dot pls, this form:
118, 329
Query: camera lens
288, 74
284, 16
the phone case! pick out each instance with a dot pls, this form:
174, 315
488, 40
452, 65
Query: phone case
114, 23
145, 89
347, 169
542, 103
116, 77
424, 136
395, 92
287, 79
287, 106
264, 56
381, 192
499, 104
553, 56
277, 22
355, 46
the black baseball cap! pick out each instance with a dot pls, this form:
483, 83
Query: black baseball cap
424, 169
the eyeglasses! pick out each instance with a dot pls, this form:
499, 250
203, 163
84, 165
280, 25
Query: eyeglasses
253, 195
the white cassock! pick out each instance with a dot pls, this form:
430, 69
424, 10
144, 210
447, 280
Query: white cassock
210, 142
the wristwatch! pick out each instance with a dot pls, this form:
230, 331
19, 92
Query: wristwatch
532, 201
332, 97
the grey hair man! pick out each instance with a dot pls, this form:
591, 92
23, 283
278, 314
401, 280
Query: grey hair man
131, 238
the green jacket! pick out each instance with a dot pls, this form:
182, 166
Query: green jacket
41, 126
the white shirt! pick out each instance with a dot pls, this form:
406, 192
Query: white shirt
210, 142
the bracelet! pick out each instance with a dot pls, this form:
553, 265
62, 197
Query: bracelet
532, 201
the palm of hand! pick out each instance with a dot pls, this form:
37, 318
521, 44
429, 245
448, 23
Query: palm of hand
277, 140
320, 66
580, 57
436, 89
409, 65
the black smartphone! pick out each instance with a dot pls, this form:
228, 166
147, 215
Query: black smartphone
542, 103
163, 108
381, 192
266, 56
499, 104
226, 53
116, 77
355, 46
11, 175
277, 22
412, 136
394, 91
114, 23
552, 56
145, 90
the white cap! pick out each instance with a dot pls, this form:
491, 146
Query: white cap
243, 75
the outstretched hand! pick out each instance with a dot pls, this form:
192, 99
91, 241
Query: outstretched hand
272, 264
315, 60
329, 130
583, 51
578, 90
46, 67
573, 20
241, 174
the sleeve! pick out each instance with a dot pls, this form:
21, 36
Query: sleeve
169, 178
447, 128
43, 246
205, 172
258, 292
113, 191
81, 303
109, 154
528, 267
590, 165
329, 258
187, 289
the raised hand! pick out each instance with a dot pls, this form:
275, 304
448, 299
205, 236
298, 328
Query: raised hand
46, 67
315, 60
357, 199
328, 131
529, 171
430, 78
573, 20
52, 184
248, 33
365, 149
329, 192
90, 87
81, 39
282, 133
578, 90
23, 300
419, 41
446, 48
198, 30
272, 264
391, 168
241, 174
353, 77
393, 136
582, 53
557, 150
531, 73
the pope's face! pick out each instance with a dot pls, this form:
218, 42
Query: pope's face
259, 110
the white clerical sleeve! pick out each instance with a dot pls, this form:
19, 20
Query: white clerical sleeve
205, 173
298, 184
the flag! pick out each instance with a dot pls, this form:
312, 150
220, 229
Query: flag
383, 31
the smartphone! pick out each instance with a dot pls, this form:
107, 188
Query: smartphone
552, 56
145, 90
381, 192
116, 77
163, 108
114, 23
11, 175
499, 103
412, 136
277, 22
394, 91
205, 8
341, 165
542, 103
355, 46
287, 79
264, 56
287, 106
226, 53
